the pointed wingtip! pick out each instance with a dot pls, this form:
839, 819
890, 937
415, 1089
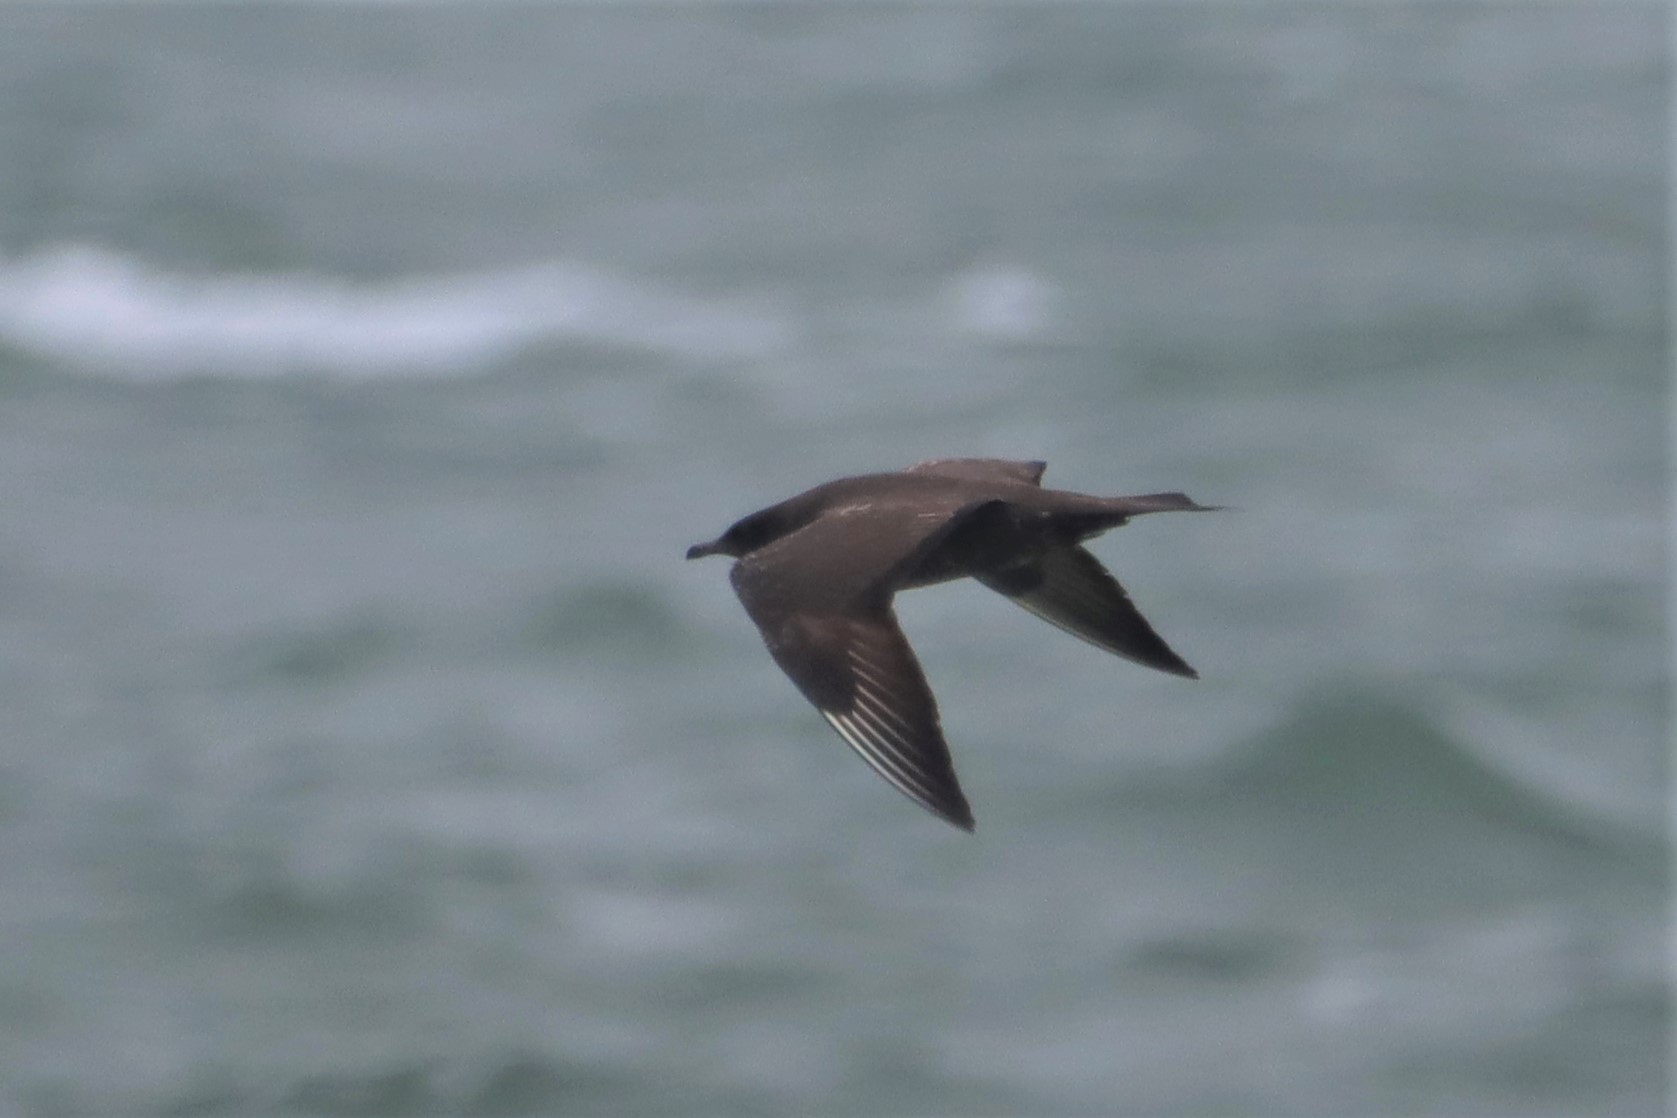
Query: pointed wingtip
1176, 666
951, 806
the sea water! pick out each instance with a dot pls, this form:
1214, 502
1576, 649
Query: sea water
369, 748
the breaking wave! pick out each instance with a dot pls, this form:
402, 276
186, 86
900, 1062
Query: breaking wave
117, 315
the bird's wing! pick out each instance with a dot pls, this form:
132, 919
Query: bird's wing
982, 469
1068, 587
822, 599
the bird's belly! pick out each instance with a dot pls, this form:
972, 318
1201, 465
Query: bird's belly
941, 568
1009, 540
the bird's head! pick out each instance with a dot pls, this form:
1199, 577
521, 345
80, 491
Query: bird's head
744, 536
718, 546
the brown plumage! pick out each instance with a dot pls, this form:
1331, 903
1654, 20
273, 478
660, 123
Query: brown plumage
817, 573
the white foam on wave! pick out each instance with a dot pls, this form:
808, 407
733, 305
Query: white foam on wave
115, 314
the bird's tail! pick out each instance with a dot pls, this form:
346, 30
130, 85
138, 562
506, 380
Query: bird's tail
1158, 502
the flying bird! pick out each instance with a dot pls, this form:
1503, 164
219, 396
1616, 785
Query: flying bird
817, 573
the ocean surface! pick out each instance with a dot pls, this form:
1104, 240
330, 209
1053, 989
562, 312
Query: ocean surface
369, 749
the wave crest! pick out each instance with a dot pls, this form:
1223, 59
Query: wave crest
1367, 771
115, 314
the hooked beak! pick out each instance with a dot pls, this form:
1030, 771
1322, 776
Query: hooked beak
700, 550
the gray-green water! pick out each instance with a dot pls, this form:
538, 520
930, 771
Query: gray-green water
369, 749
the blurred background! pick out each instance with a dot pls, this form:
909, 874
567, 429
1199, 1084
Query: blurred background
369, 748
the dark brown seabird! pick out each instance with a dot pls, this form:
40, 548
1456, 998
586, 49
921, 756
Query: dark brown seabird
817, 573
